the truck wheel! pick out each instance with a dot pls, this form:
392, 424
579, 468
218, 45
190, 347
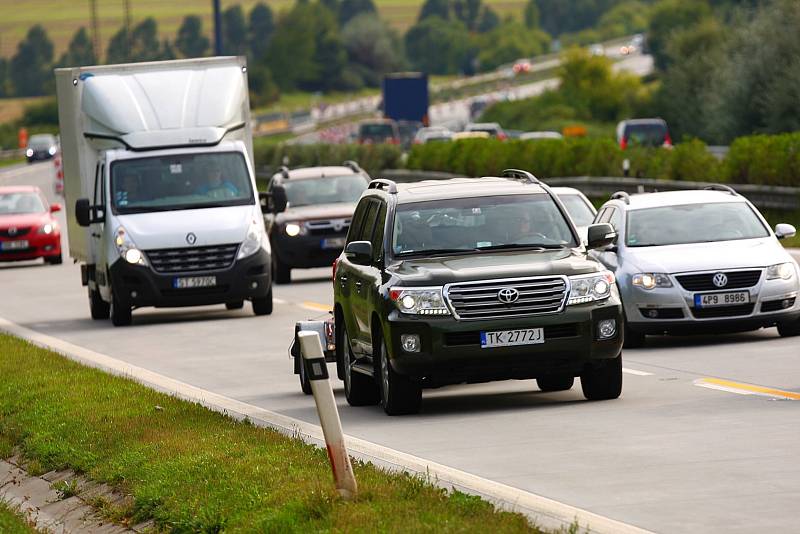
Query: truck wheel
235, 305
633, 340
359, 389
555, 382
399, 395
282, 273
263, 305
99, 308
603, 382
120, 313
789, 329
54, 260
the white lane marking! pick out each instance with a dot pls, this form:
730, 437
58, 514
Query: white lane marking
719, 387
547, 513
636, 372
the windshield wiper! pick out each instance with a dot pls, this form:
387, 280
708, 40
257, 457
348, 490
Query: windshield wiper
434, 251
531, 246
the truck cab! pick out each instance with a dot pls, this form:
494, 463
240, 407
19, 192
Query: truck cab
162, 205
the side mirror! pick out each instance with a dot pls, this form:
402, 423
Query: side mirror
55, 207
279, 199
600, 235
264, 202
359, 252
83, 212
783, 230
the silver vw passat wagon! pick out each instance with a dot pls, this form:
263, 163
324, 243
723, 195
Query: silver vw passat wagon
699, 261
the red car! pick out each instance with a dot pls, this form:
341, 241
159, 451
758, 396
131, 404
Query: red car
28, 229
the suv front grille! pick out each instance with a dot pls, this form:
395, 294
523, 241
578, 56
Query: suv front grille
723, 311
328, 227
705, 281
186, 260
479, 300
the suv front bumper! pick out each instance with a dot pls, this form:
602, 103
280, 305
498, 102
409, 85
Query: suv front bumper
451, 351
306, 251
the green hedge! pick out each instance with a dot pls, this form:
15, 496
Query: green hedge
765, 159
372, 158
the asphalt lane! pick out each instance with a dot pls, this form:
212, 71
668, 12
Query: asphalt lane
669, 455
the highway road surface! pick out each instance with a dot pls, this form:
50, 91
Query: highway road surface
691, 446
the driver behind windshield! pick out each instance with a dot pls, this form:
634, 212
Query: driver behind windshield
215, 185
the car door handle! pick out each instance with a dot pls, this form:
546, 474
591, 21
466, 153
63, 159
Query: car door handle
358, 286
96, 235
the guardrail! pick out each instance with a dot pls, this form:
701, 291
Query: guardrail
13, 153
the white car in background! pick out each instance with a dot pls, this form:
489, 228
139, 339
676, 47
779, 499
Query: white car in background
432, 134
579, 208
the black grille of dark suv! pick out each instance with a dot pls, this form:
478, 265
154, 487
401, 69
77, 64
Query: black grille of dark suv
480, 300
191, 259
705, 281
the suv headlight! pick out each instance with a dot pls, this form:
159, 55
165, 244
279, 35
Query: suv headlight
783, 271
127, 248
590, 287
419, 300
252, 241
293, 229
651, 280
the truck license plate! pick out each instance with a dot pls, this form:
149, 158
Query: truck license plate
190, 282
333, 242
13, 245
511, 338
731, 298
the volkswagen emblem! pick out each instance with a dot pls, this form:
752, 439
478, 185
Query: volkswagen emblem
720, 280
508, 295
12, 231
338, 225
191, 238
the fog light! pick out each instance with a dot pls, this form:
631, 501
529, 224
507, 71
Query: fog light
410, 342
653, 314
134, 294
786, 303
606, 328
133, 255
253, 285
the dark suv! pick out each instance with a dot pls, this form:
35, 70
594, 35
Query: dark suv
308, 214
472, 280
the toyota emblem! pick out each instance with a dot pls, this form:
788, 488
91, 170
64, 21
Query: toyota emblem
12, 231
508, 295
720, 280
191, 238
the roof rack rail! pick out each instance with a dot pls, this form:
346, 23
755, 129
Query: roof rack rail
519, 174
722, 187
352, 165
283, 170
381, 183
622, 195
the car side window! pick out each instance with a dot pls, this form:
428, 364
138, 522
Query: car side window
600, 217
354, 233
369, 222
377, 234
616, 219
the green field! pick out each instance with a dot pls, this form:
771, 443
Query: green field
11, 523
61, 18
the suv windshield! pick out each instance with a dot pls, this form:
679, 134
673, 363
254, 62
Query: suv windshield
485, 223
324, 190
581, 213
179, 182
646, 134
693, 223
14, 203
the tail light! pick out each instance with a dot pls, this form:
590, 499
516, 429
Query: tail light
502, 136
335, 266
667, 140
623, 143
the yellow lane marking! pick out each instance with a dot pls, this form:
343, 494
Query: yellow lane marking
746, 389
316, 306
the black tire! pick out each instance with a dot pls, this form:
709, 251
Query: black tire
263, 305
99, 308
633, 339
281, 273
603, 381
121, 313
305, 383
789, 329
359, 389
54, 260
555, 382
399, 395
235, 305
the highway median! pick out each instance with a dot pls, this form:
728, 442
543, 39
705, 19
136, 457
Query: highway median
188, 469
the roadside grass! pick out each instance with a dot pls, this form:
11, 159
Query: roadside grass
10, 161
193, 470
12, 109
12, 523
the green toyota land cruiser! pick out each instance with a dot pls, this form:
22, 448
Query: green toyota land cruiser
472, 280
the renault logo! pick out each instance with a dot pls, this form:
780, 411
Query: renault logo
720, 280
191, 238
508, 295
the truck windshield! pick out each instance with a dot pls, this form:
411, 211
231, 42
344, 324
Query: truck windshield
180, 182
326, 190
693, 223
476, 224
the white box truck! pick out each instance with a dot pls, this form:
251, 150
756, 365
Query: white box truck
161, 198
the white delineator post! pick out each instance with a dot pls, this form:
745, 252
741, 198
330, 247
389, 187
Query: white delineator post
317, 372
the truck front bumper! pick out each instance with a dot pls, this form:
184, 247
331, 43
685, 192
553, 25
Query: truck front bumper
140, 286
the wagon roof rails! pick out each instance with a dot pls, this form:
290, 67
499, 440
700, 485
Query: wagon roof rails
519, 174
383, 184
721, 187
621, 195
352, 165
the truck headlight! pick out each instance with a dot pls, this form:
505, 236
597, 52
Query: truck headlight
783, 271
127, 248
590, 287
252, 241
419, 300
651, 280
